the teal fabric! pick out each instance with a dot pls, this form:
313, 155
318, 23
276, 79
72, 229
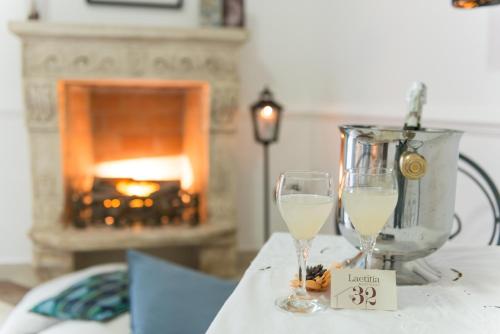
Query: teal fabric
100, 297
170, 299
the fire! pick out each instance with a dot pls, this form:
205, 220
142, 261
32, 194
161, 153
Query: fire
137, 188
147, 169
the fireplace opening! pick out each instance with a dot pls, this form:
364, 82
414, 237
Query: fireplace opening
135, 152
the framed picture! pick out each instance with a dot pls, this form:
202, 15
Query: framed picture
169, 4
233, 13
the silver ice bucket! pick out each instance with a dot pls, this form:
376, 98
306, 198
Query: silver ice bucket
425, 162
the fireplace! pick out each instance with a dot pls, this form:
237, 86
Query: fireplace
135, 152
132, 143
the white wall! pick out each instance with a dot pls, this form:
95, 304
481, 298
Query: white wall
322, 59
360, 56
15, 195
356, 60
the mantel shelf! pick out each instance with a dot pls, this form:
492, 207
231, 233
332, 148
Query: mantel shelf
52, 29
97, 239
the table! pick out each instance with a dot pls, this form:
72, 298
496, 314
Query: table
470, 304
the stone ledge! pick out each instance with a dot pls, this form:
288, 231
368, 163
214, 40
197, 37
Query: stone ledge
94, 239
51, 29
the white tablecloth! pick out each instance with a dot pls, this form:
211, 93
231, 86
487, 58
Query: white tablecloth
469, 305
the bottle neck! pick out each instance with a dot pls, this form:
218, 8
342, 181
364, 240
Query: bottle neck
412, 121
417, 96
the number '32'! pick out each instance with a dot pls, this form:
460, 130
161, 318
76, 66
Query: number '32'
362, 296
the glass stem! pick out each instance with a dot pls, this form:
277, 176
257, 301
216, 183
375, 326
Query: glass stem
302, 247
367, 244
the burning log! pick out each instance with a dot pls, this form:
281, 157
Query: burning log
125, 203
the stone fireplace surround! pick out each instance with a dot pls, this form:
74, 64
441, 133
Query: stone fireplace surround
52, 52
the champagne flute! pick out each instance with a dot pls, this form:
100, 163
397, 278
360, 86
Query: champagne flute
369, 196
305, 200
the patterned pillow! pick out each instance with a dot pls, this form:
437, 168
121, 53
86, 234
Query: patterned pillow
100, 297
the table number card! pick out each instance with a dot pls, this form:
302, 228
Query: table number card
364, 289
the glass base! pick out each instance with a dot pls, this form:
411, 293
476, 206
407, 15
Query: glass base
301, 304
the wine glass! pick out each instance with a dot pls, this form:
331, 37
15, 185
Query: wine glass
305, 200
369, 196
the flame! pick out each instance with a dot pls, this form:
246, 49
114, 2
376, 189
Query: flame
149, 169
109, 220
137, 188
112, 203
136, 203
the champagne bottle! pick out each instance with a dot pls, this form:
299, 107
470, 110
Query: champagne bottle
408, 157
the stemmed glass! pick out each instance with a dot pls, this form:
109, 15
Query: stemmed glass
369, 196
305, 200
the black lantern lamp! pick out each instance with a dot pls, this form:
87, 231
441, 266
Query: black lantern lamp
468, 4
266, 114
266, 117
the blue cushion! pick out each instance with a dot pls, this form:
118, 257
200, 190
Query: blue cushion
169, 299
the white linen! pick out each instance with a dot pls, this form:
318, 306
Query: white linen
22, 321
469, 305
5, 310
120, 325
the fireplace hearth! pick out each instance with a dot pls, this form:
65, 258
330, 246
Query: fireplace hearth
136, 152
132, 142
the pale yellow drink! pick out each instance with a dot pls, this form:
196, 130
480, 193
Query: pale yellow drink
304, 214
369, 208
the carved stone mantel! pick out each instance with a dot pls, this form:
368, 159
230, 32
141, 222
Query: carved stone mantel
52, 51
